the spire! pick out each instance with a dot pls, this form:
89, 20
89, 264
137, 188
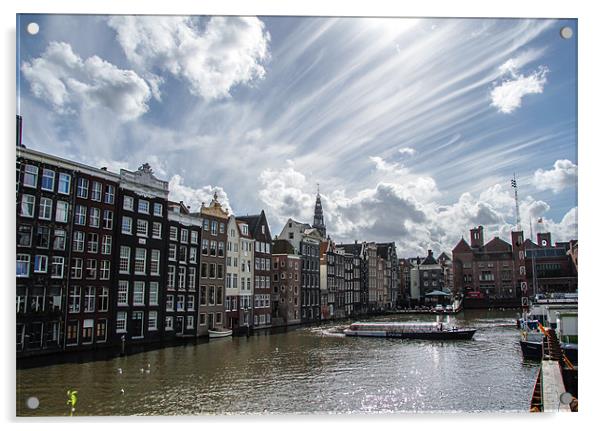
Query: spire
319, 215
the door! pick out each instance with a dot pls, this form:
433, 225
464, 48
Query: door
137, 324
210, 321
180, 325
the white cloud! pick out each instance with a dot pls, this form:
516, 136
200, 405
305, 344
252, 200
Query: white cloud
409, 151
507, 95
229, 51
63, 79
563, 175
192, 197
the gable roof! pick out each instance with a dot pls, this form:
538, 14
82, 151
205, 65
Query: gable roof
497, 244
429, 260
462, 247
255, 221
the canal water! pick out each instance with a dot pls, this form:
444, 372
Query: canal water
307, 370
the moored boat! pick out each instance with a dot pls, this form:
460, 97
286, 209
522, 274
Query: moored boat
422, 331
220, 334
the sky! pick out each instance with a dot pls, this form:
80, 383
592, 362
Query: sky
413, 128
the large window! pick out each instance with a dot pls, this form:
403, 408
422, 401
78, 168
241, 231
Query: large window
48, 179
141, 227
155, 261
91, 269
82, 188
182, 277
43, 237
122, 293
40, 264
92, 243
109, 194
121, 324
107, 219
143, 206
128, 203
62, 211
105, 269
124, 260
90, 300
24, 234
107, 243
27, 205
57, 267
94, 217
157, 230
64, 183
126, 225
140, 263
96, 191
30, 177
74, 299
45, 210
78, 241
138, 293
80, 215
77, 268
153, 293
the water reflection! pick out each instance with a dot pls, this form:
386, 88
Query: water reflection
305, 370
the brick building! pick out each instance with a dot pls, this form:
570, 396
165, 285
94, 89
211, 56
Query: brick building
286, 279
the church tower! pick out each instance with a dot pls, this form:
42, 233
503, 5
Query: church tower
319, 216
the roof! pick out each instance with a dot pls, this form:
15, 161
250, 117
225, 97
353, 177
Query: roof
429, 260
254, 221
462, 247
497, 244
443, 256
282, 246
350, 248
437, 293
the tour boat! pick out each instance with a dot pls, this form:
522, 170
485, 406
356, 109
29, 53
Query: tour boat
220, 334
423, 331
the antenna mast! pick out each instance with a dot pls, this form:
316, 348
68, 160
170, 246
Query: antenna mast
515, 187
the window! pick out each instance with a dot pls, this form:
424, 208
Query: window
92, 243
191, 278
220, 271
183, 250
78, 241
218, 318
189, 322
171, 277
40, 263
121, 324
152, 320
206, 224
107, 219
173, 233
154, 263
105, 269
169, 303
141, 227
82, 188
168, 323
80, 215
193, 254
140, 262
43, 237
203, 295
103, 299
157, 209
107, 242
222, 228
45, 209
153, 293
77, 268
48, 179
194, 237
60, 237
213, 227
91, 269
62, 211
220, 249
96, 194
24, 233
89, 300
101, 330
122, 293
27, 205
212, 250
173, 251
205, 247
124, 260
182, 277
245, 229
203, 270
143, 206
30, 177
139, 293
190, 303
109, 194
180, 303
212, 270
156, 230
57, 267
184, 235
202, 319
94, 217
126, 225
64, 183
74, 299
128, 203
219, 295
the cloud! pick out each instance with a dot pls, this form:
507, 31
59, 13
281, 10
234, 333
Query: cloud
192, 197
62, 78
507, 96
228, 52
407, 151
563, 175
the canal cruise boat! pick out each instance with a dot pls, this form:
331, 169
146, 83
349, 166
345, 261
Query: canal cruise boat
422, 331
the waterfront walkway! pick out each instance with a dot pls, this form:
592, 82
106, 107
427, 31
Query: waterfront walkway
553, 387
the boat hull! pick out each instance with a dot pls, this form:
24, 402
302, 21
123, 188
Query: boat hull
220, 334
460, 334
533, 350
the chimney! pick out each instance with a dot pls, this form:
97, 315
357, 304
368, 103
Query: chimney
476, 237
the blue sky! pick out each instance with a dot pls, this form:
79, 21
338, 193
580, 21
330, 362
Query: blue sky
412, 127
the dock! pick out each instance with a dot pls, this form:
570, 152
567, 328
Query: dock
552, 387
